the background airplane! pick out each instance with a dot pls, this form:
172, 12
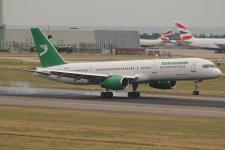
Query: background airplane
163, 39
187, 39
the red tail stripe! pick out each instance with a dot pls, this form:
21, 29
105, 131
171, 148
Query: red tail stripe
168, 32
178, 25
188, 37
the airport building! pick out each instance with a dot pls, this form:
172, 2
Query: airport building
82, 41
72, 39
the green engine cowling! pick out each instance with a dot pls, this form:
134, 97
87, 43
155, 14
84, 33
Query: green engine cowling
163, 84
115, 83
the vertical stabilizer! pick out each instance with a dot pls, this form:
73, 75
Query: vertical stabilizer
185, 34
165, 36
47, 53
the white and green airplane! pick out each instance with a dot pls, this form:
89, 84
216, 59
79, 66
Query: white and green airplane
118, 75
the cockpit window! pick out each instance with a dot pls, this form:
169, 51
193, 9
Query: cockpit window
208, 66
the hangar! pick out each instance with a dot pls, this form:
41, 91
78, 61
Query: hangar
93, 41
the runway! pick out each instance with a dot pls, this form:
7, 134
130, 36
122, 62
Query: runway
90, 101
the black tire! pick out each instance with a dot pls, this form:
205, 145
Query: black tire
130, 94
102, 94
195, 92
110, 94
133, 94
107, 94
138, 94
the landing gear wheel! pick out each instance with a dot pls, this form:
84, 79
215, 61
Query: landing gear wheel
102, 94
110, 94
196, 88
107, 94
138, 94
133, 94
130, 94
195, 92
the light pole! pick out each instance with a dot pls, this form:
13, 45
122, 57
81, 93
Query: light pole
2, 26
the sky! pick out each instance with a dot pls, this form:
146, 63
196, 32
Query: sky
163, 13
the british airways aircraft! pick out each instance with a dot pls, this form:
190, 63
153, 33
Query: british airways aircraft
163, 39
204, 43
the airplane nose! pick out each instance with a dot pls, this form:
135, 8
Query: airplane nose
218, 72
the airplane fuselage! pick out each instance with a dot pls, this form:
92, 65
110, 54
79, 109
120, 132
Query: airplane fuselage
206, 43
151, 43
145, 71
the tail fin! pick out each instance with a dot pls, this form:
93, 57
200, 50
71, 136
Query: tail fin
168, 32
185, 34
47, 53
165, 36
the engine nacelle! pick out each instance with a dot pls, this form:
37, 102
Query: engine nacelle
163, 84
115, 83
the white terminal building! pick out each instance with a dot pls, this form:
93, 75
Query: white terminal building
79, 40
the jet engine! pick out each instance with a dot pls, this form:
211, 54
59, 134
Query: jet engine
115, 83
163, 84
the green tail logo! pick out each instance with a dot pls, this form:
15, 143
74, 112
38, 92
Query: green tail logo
47, 53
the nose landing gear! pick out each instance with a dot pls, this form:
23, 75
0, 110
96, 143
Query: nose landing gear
197, 86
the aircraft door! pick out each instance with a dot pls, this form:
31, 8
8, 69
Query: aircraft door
193, 67
154, 70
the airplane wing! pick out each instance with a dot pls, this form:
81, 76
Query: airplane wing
222, 46
94, 77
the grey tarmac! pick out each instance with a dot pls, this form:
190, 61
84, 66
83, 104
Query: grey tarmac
193, 106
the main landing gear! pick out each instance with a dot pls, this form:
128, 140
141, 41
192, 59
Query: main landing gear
197, 86
107, 94
134, 93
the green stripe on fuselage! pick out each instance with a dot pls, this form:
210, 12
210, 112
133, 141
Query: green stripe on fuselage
175, 63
